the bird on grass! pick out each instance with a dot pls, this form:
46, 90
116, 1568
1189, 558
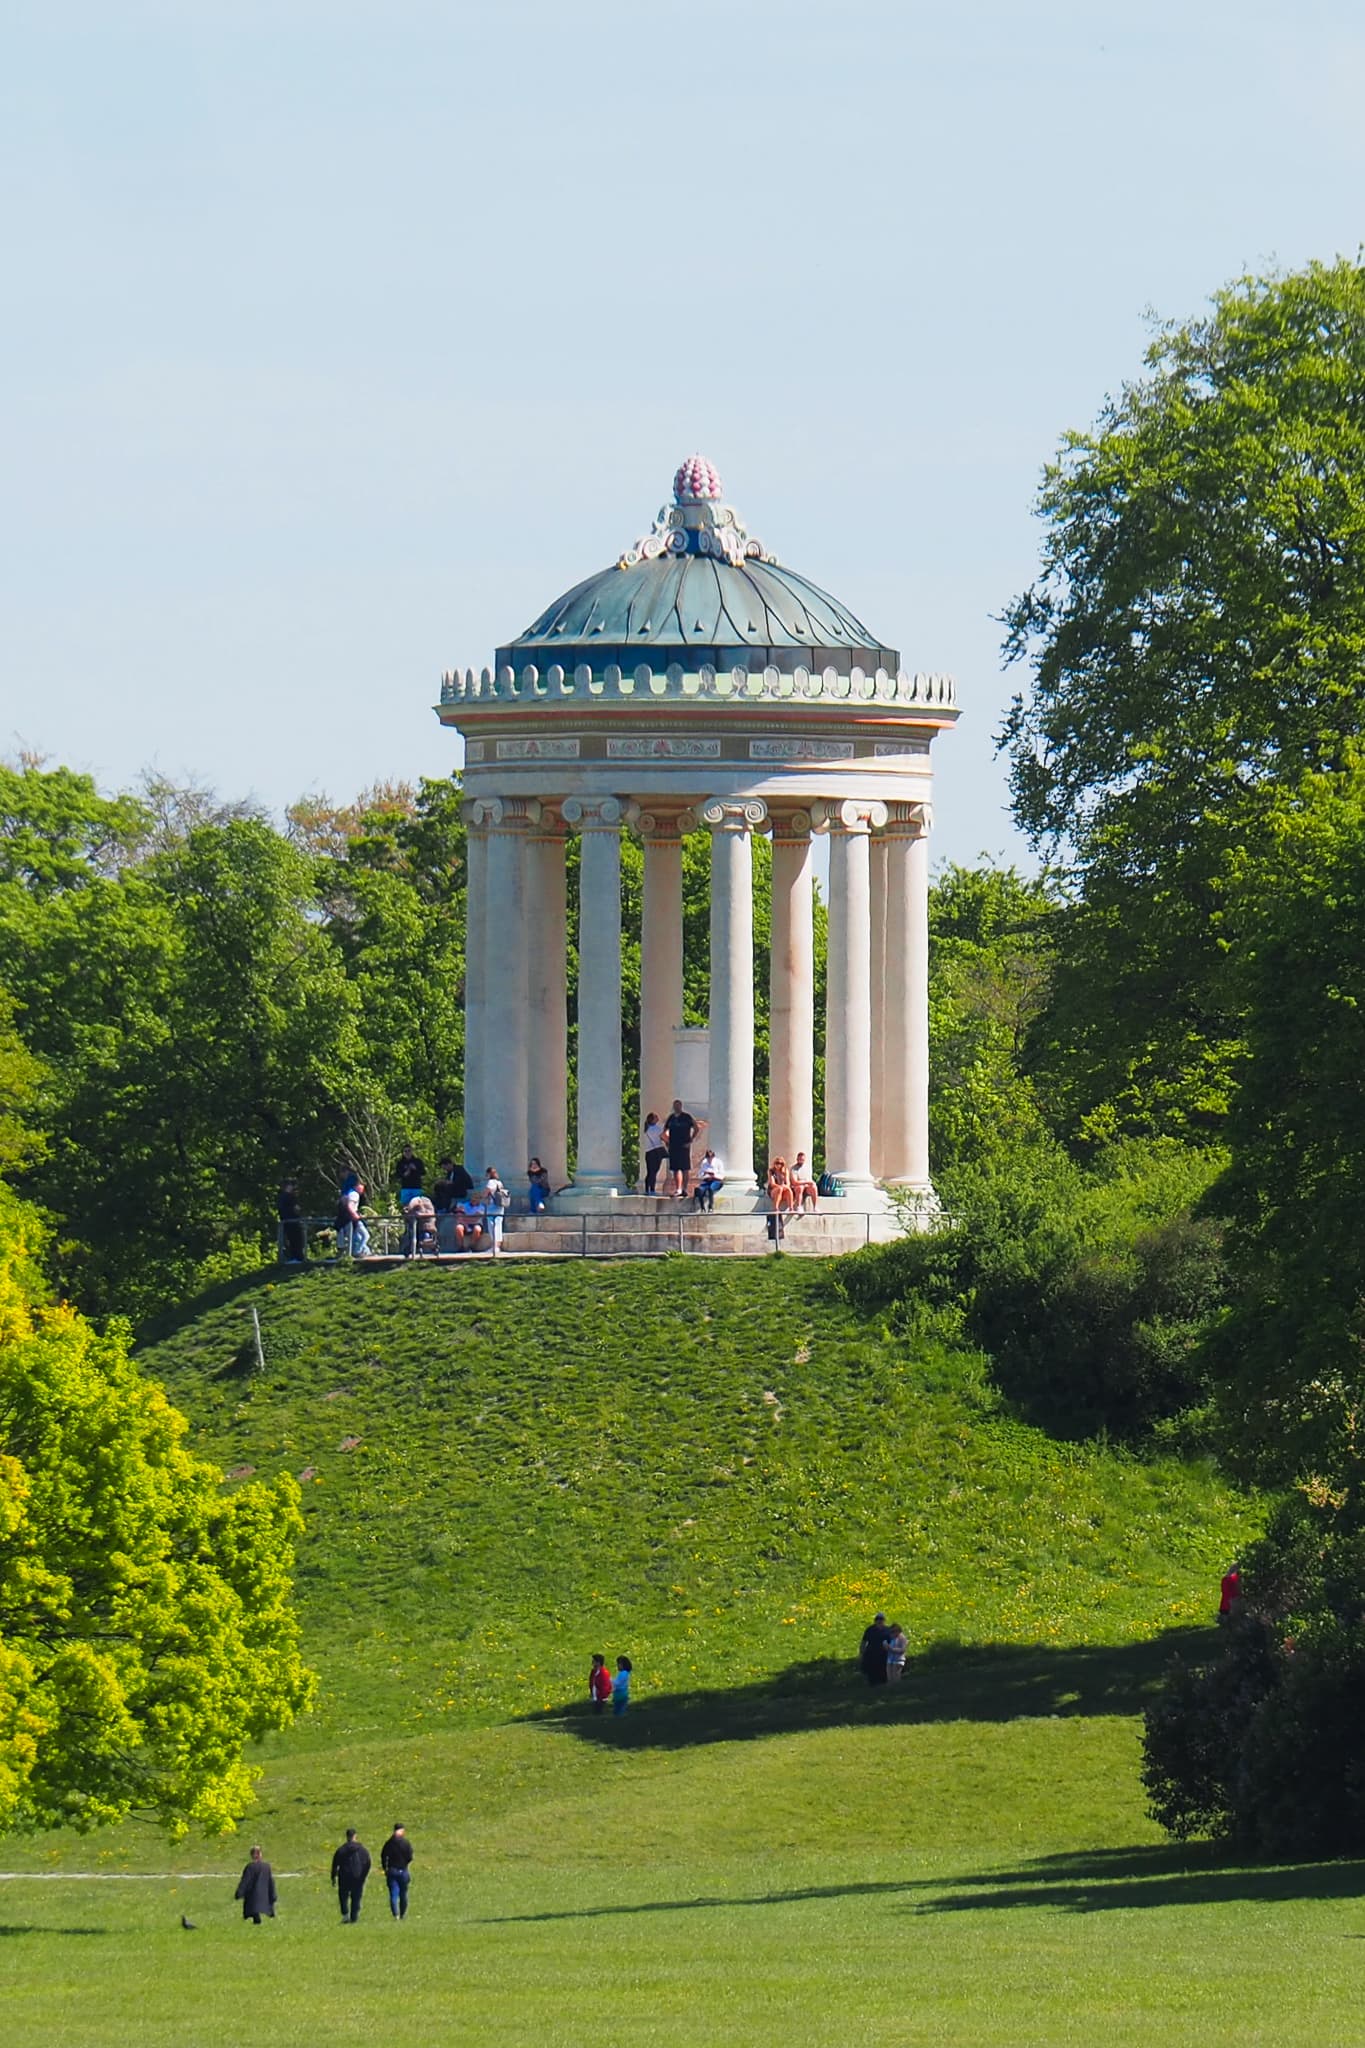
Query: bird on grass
188, 1925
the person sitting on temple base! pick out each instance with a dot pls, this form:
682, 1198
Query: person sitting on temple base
538, 1185
710, 1180
469, 1223
803, 1183
781, 1193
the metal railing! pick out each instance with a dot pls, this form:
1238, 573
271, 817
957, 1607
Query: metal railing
587, 1236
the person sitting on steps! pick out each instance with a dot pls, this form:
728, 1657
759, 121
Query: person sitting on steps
803, 1183
710, 1181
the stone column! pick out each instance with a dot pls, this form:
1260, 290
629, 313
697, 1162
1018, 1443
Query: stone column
547, 1010
661, 954
878, 868
906, 1113
505, 985
731, 820
475, 922
848, 1006
597, 1170
791, 991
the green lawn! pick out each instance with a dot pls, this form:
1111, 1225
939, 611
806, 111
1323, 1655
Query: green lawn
722, 1470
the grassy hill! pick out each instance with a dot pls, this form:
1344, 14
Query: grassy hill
723, 1470
718, 1468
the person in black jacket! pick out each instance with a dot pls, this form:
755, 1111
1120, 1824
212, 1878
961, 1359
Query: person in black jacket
350, 1868
872, 1650
395, 1859
256, 1889
287, 1206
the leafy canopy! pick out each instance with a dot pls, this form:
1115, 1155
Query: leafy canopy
146, 1631
1196, 638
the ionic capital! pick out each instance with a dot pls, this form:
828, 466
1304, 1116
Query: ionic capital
855, 815
665, 828
908, 821
790, 828
505, 813
733, 813
550, 824
597, 813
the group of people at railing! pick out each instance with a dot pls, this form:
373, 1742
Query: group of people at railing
461, 1214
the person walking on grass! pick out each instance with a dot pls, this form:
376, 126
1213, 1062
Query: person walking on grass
256, 1889
620, 1686
395, 1860
872, 1650
350, 1868
599, 1682
897, 1650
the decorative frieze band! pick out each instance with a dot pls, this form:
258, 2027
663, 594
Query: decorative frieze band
513, 686
538, 750
801, 750
657, 748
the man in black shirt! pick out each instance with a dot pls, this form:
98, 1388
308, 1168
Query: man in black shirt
350, 1868
292, 1246
395, 1860
451, 1188
679, 1131
410, 1175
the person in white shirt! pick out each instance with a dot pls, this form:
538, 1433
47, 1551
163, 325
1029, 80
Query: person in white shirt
656, 1151
803, 1183
495, 1200
710, 1180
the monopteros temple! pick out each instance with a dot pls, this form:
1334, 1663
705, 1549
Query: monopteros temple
697, 684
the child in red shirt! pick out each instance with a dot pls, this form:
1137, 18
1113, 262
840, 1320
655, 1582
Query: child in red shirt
599, 1682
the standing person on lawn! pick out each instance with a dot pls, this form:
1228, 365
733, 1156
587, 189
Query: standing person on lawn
599, 1682
620, 1686
872, 1650
395, 1860
256, 1889
350, 1868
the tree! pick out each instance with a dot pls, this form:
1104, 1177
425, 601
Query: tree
1196, 637
146, 1630
1290, 1359
989, 968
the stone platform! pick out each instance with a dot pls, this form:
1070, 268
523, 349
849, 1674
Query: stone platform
636, 1226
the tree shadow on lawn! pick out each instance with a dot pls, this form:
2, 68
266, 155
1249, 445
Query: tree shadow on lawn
1114, 1880
1103, 1880
29, 1928
947, 1682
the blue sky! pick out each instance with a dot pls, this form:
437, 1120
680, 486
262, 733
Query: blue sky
337, 339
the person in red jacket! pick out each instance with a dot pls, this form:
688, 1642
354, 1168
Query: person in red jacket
599, 1682
1231, 1592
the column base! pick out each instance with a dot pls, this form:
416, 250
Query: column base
863, 1193
590, 1191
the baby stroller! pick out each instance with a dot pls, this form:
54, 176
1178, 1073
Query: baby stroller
419, 1234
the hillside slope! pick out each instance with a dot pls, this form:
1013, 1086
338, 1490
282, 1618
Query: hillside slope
719, 1468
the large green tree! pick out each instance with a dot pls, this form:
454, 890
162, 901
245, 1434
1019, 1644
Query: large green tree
1196, 636
146, 1627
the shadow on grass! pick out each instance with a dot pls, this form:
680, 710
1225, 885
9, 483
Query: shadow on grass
1105, 1880
1114, 1880
29, 1929
985, 1682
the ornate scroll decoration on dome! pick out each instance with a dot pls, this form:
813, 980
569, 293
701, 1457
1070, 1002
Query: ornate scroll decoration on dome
697, 523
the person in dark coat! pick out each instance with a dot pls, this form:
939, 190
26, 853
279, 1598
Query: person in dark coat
395, 1859
350, 1868
872, 1650
293, 1248
256, 1889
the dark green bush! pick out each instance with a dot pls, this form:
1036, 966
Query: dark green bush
1263, 1745
1089, 1288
